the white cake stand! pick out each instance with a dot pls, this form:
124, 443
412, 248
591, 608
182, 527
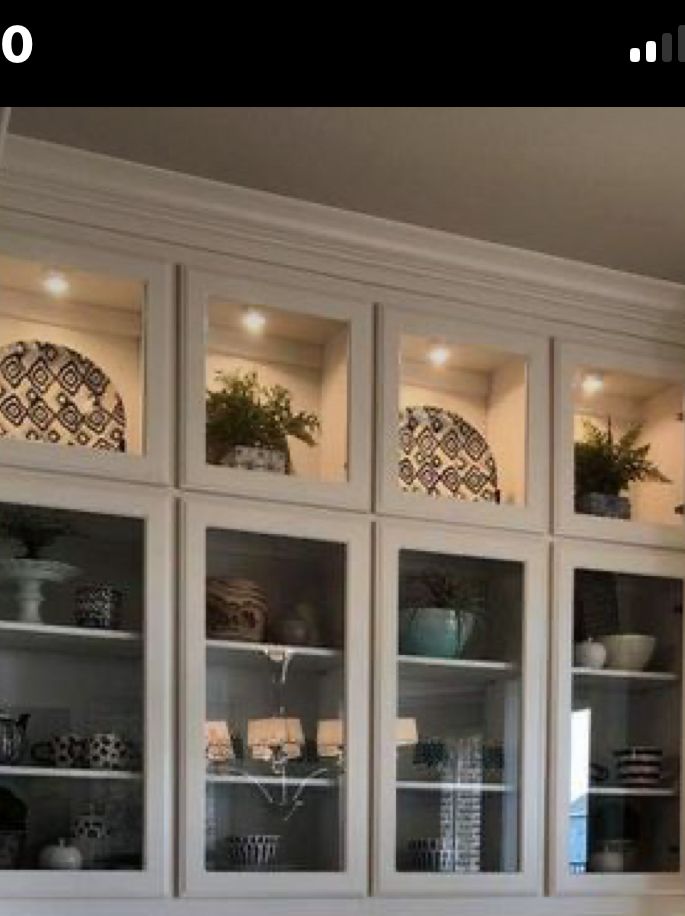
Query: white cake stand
28, 578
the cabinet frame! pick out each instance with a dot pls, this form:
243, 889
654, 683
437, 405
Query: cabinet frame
567, 358
199, 513
533, 514
393, 536
155, 463
266, 288
155, 509
570, 555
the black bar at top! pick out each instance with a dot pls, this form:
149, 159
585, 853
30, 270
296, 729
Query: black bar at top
667, 47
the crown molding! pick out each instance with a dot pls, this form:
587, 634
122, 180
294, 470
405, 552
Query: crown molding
198, 215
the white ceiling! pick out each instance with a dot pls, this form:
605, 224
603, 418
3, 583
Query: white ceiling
603, 185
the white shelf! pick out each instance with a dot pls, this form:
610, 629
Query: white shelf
64, 773
419, 667
479, 787
43, 637
233, 652
614, 674
242, 780
629, 791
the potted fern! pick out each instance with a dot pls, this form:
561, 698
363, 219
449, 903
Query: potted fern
248, 424
441, 616
605, 467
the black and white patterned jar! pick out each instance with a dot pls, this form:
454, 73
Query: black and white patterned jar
108, 751
98, 607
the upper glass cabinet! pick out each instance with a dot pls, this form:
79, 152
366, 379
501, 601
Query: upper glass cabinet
85, 360
276, 724
461, 636
278, 391
620, 446
617, 815
84, 690
464, 420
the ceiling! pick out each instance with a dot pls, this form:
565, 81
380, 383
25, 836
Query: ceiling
602, 185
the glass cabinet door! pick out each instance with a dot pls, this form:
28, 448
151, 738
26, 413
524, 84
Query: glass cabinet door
619, 720
463, 431
84, 706
620, 446
85, 350
279, 390
276, 690
461, 636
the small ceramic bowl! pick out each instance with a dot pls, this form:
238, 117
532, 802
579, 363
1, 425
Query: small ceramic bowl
628, 651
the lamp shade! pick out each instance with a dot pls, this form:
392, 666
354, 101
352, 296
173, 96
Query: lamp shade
264, 736
406, 732
330, 737
218, 742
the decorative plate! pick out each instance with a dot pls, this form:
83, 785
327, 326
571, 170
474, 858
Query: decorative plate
443, 455
50, 393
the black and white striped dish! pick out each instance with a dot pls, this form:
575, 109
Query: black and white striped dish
639, 766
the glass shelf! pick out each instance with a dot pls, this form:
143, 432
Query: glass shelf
42, 637
60, 773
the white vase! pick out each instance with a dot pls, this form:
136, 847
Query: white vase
590, 654
60, 856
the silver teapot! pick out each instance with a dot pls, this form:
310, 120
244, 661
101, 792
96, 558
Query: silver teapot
12, 737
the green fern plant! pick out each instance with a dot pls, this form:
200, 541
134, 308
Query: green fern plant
242, 411
607, 465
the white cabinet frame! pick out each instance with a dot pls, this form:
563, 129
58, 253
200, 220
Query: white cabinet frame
568, 357
198, 514
155, 463
155, 509
569, 556
262, 288
534, 513
392, 537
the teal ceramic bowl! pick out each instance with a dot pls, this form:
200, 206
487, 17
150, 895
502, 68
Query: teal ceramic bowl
436, 632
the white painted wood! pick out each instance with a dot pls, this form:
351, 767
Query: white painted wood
478, 787
568, 357
156, 463
533, 514
392, 537
568, 556
179, 210
56, 773
155, 509
248, 286
200, 513
41, 637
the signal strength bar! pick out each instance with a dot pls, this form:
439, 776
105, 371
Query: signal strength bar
666, 49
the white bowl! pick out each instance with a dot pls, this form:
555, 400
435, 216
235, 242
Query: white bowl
628, 651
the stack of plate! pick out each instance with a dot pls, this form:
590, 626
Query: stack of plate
639, 766
236, 609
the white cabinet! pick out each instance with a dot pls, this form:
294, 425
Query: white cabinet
275, 700
463, 421
85, 664
630, 403
86, 358
304, 353
616, 813
459, 750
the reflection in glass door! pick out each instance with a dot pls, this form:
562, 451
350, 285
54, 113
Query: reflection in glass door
461, 723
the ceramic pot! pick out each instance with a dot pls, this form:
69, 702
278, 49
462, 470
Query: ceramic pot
252, 852
291, 631
60, 856
91, 836
435, 631
603, 504
12, 737
628, 651
607, 860
108, 751
252, 458
236, 609
64, 751
590, 654
98, 607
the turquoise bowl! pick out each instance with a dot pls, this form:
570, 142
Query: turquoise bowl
436, 632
